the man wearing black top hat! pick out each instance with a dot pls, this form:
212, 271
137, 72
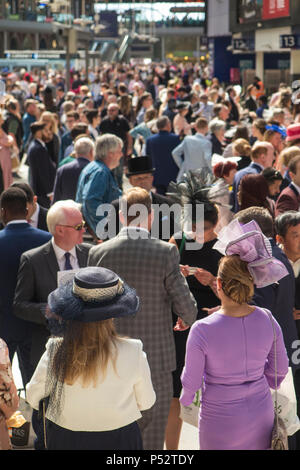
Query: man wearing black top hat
140, 174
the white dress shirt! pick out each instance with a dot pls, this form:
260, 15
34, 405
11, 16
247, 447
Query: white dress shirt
35, 217
60, 256
296, 267
18, 221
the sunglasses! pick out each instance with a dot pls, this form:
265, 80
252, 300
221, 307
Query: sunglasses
77, 227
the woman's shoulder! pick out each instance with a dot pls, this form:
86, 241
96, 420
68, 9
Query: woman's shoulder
129, 344
53, 341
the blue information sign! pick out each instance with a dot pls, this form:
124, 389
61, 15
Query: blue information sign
290, 41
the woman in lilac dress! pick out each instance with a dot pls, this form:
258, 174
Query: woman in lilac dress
230, 354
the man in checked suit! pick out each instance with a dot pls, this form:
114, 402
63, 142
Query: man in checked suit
151, 266
37, 275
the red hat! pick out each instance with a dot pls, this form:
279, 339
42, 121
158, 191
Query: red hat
293, 132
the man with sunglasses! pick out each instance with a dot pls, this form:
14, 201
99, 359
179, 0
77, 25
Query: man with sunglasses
37, 275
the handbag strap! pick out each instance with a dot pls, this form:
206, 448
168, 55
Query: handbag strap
275, 363
44, 423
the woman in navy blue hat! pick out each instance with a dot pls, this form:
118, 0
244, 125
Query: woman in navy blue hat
96, 382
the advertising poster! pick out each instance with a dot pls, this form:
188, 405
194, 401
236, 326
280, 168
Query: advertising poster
250, 11
275, 9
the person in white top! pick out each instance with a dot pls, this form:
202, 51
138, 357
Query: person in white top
97, 382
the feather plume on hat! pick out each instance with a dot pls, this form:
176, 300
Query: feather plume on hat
197, 188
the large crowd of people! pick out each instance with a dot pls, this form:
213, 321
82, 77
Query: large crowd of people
157, 304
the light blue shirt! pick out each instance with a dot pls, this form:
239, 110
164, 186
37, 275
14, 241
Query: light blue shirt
194, 152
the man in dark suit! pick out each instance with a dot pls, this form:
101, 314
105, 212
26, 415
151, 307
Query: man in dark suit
37, 275
36, 214
289, 198
287, 227
140, 174
16, 238
234, 115
41, 168
262, 156
159, 147
65, 185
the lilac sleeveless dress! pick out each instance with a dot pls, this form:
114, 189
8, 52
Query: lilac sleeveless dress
235, 356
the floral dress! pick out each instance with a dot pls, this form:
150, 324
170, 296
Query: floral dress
9, 400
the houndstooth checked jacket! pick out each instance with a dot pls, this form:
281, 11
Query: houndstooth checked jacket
151, 267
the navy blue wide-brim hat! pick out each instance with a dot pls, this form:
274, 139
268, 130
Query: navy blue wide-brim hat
94, 294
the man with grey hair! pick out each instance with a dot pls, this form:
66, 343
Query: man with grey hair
65, 185
116, 124
37, 275
96, 185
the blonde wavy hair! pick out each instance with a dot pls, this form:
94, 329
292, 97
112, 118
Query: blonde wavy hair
86, 350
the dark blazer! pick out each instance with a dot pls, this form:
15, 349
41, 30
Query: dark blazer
159, 147
279, 298
166, 222
217, 147
288, 200
253, 168
65, 185
42, 219
41, 172
234, 114
15, 239
37, 277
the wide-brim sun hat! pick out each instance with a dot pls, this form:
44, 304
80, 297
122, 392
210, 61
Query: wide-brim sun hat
94, 294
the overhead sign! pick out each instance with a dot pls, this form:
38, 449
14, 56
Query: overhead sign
290, 41
60, 54
187, 9
109, 24
243, 44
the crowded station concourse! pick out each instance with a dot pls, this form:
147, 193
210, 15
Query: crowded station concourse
149, 215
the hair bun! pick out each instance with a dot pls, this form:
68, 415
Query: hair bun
237, 283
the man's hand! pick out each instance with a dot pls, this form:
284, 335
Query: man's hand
180, 325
